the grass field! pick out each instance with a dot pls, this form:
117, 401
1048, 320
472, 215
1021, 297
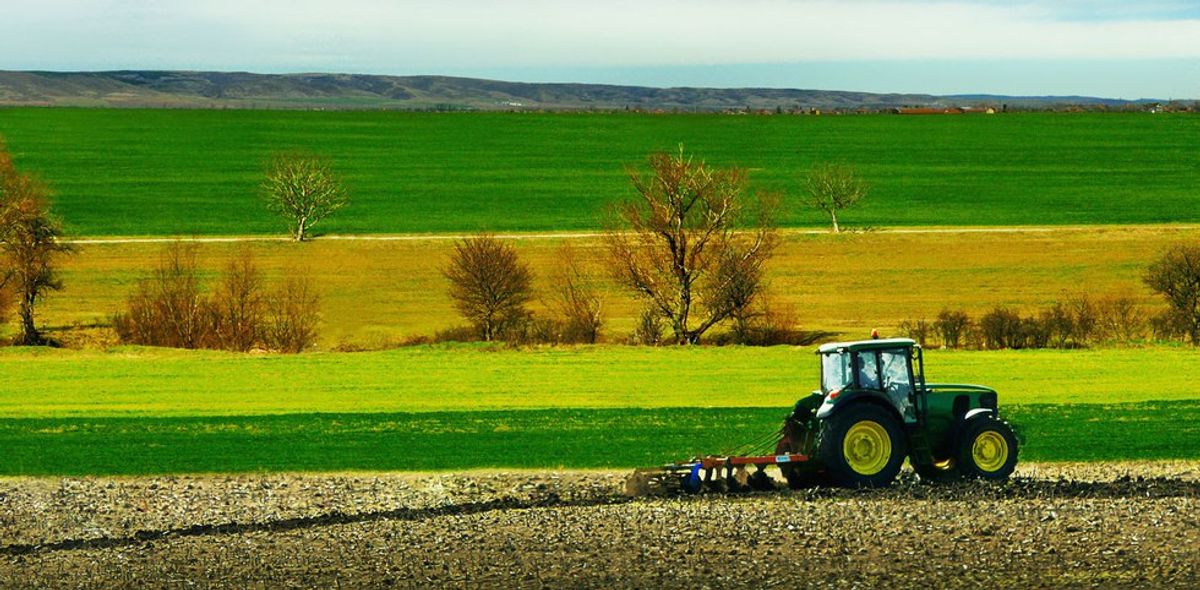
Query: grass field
378, 292
151, 411
154, 382
154, 172
536, 439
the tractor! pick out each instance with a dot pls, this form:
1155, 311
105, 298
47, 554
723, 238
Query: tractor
873, 411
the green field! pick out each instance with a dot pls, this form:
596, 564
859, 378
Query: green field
130, 411
154, 172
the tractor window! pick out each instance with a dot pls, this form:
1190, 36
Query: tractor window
897, 381
835, 371
868, 370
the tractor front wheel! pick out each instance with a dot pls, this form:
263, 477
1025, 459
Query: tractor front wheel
987, 449
862, 446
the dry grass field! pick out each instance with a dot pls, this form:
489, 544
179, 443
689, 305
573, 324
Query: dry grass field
378, 292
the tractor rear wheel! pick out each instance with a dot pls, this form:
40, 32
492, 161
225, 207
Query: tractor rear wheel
987, 449
862, 446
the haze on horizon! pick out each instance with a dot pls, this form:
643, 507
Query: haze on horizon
1111, 48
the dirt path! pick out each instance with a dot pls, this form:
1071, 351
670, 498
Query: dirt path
593, 235
1074, 525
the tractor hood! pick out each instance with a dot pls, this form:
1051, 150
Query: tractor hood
956, 387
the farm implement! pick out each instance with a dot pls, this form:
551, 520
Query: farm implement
873, 411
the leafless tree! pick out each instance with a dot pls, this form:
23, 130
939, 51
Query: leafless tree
489, 284
31, 242
293, 316
303, 189
239, 305
168, 308
833, 188
688, 241
576, 298
1176, 276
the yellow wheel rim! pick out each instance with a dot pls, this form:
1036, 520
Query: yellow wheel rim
867, 447
990, 451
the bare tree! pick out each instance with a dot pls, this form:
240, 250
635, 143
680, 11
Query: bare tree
293, 316
576, 298
168, 308
834, 187
30, 240
489, 284
1176, 276
678, 245
303, 189
238, 305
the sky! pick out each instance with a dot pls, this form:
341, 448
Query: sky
1111, 48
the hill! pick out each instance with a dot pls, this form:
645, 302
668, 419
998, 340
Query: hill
178, 89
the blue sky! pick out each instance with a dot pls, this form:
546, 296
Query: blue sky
1102, 47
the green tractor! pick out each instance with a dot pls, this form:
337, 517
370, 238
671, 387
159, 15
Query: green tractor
874, 410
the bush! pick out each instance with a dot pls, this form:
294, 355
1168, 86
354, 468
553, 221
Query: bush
170, 309
1002, 328
292, 316
952, 327
773, 326
489, 285
1084, 318
1059, 325
649, 330
1120, 318
576, 300
918, 330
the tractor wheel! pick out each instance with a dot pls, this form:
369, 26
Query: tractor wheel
987, 449
862, 446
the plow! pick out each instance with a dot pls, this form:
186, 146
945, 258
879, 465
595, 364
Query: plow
873, 412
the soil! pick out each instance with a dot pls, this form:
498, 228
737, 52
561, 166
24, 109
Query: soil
1094, 525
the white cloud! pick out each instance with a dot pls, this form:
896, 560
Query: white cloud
392, 36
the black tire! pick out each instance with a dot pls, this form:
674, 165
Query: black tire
987, 449
879, 460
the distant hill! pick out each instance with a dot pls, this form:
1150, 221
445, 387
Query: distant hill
181, 89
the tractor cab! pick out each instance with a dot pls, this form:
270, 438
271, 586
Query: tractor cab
889, 370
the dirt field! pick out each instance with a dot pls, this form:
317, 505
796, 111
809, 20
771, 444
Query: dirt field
1113, 525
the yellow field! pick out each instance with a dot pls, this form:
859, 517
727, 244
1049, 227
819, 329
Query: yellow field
375, 292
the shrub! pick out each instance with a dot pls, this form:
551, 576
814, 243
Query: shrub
1120, 318
292, 316
953, 327
1059, 325
168, 308
1083, 317
238, 305
649, 330
489, 284
576, 300
918, 330
1001, 328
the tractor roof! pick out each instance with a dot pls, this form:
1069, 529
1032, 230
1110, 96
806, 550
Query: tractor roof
866, 345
